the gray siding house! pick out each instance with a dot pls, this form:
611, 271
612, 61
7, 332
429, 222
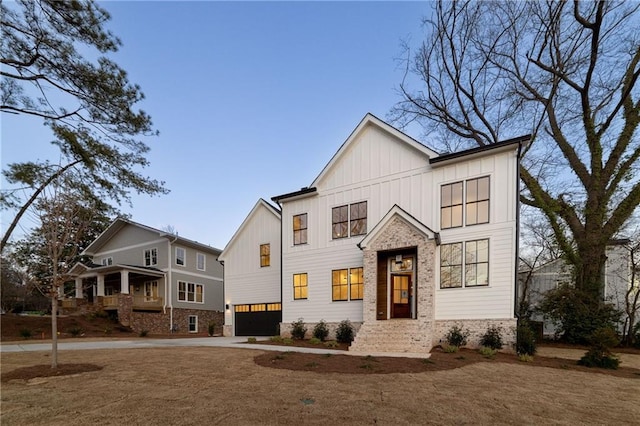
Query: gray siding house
151, 280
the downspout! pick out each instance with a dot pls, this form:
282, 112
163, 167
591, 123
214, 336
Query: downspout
167, 287
281, 264
517, 257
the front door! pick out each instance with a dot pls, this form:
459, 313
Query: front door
401, 296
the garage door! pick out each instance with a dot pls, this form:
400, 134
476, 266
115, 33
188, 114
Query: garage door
259, 319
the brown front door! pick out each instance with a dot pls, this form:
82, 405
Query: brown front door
401, 296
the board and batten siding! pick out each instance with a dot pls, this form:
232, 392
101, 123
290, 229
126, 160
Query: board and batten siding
383, 171
245, 281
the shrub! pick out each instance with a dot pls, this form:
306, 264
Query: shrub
315, 341
298, 329
525, 340
211, 328
525, 358
344, 332
321, 331
75, 331
252, 340
25, 333
456, 336
275, 339
287, 341
577, 314
492, 338
450, 349
108, 330
143, 333
331, 344
487, 352
599, 355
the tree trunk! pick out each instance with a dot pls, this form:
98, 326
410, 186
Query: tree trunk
590, 272
54, 328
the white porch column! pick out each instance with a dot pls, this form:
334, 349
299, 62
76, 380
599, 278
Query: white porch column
78, 288
124, 282
100, 285
61, 292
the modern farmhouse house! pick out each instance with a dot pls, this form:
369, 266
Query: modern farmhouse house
152, 280
402, 241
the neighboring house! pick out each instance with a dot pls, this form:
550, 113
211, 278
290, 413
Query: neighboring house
152, 280
617, 280
402, 241
251, 262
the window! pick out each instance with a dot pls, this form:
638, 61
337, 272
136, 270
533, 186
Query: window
476, 203
190, 292
201, 262
300, 229
476, 260
241, 308
265, 255
150, 291
259, 307
193, 323
451, 205
180, 255
346, 284
151, 257
451, 265
339, 285
349, 220
274, 306
299, 286
107, 261
473, 272
477, 206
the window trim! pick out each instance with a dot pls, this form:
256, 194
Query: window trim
186, 292
340, 284
184, 257
477, 201
265, 259
305, 286
465, 203
204, 261
305, 229
349, 220
189, 323
107, 261
451, 205
144, 256
349, 284
464, 264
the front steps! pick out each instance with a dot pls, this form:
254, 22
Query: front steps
393, 336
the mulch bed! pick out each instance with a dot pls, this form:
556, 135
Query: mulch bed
45, 370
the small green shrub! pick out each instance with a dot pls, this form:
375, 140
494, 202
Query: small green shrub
287, 341
211, 328
26, 333
344, 332
492, 338
450, 349
456, 336
331, 344
298, 329
321, 331
252, 340
599, 355
315, 341
275, 339
75, 331
525, 358
487, 352
143, 333
525, 340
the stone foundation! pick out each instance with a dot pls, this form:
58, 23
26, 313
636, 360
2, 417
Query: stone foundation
227, 330
285, 329
160, 322
477, 329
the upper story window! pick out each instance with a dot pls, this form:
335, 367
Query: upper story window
300, 286
475, 202
201, 261
470, 267
180, 256
265, 255
151, 257
300, 229
349, 220
107, 261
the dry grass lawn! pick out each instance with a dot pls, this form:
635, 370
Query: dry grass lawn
218, 385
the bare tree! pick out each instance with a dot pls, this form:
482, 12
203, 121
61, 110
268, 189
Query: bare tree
567, 73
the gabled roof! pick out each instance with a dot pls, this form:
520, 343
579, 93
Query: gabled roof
480, 150
261, 203
118, 224
397, 211
80, 269
372, 120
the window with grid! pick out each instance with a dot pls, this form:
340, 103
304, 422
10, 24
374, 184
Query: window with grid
190, 292
349, 220
300, 229
265, 255
339, 285
356, 283
340, 222
300, 286
476, 263
151, 257
451, 265
451, 205
358, 219
477, 201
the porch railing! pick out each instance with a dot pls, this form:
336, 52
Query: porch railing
68, 303
110, 301
147, 302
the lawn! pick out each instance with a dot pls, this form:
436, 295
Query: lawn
219, 385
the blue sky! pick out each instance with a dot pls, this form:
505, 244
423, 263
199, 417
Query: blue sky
251, 99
